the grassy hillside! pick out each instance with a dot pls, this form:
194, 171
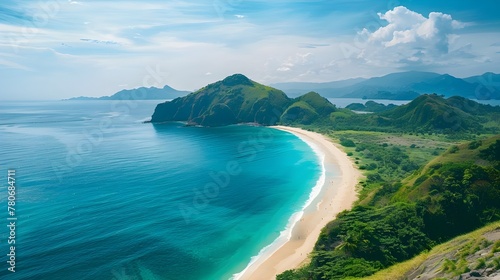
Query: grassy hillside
236, 99
428, 113
388, 158
398, 220
458, 191
307, 109
469, 152
432, 112
478, 250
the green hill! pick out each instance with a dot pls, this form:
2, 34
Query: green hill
236, 99
428, 113
433, 112
307, 109
453, 194
459, 191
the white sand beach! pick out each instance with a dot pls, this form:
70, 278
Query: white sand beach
337, 194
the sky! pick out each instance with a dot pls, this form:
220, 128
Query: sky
53, 49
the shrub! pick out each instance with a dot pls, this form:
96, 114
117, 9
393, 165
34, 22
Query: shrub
454, 149
347, 142
481, 263
475, 144
496, 247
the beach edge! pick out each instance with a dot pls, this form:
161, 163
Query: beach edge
338, 193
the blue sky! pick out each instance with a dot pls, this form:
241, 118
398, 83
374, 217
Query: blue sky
52, 49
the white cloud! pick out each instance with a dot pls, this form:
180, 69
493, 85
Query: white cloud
99, 41
400, 20
284, 69
299, 59
408, 27
176, 36
410, 39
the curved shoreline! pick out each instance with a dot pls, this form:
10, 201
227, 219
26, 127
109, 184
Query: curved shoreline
286, 234
336, 194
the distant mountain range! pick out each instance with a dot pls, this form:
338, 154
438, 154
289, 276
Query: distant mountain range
142, 93
403, 86
298, 88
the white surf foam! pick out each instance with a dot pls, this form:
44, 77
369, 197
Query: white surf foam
286, 234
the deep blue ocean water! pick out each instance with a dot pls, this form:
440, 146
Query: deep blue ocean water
101, 195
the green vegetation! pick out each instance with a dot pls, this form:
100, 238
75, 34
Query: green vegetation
423, 183
405, 207
388, 158
447, 260
425, 114
306, 109
347, 142
407, 204
236, 99
370, 106
432, 112
492, 153
496, 247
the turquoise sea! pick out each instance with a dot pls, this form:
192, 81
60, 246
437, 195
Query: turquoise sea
102, 195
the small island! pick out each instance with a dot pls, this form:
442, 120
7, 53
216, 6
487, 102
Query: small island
141, 93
